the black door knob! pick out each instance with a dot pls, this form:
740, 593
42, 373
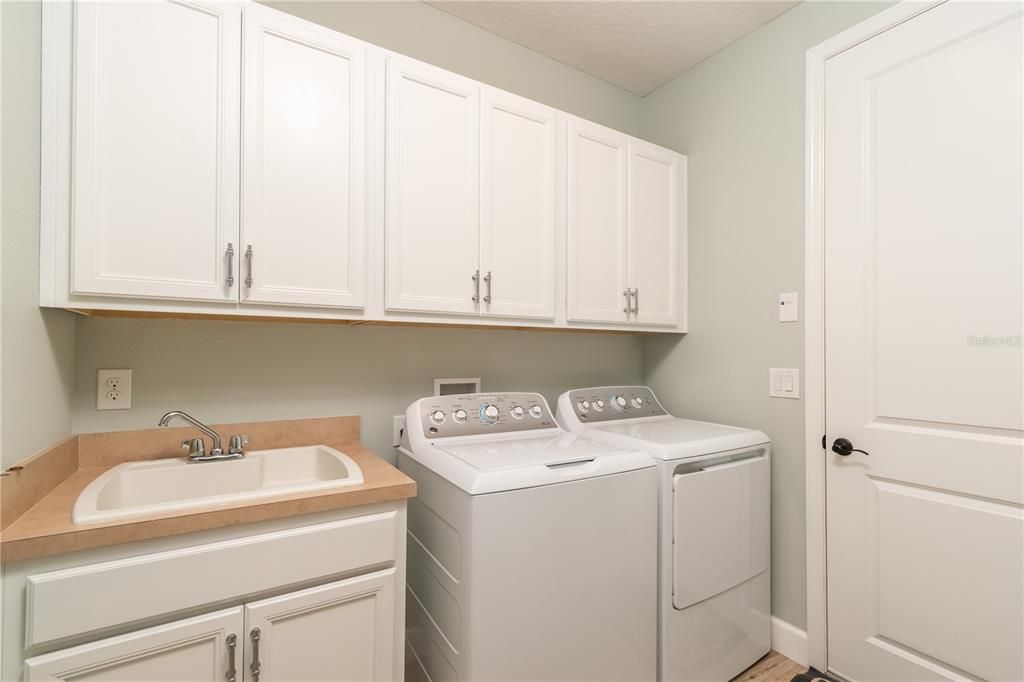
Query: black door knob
844, 448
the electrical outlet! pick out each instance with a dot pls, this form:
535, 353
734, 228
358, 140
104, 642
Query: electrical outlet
113, 389
397, 426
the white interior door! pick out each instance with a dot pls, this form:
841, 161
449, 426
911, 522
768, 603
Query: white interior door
339, 632
655, 186
304, 168
517, 206
923, 234
597, 220
155, 149
432, 210
201, 649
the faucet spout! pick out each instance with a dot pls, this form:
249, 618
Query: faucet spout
216, 450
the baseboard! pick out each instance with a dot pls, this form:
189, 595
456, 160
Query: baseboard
789, 640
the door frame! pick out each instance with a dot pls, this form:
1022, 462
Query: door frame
814, 310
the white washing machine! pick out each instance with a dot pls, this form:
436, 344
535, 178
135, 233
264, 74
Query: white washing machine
714, 585
532, 552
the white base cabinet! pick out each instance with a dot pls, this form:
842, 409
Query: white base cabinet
230, 159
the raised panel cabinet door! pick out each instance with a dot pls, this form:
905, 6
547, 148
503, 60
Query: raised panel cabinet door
432, 190
597, 224
517, 207
207, 647
155, 149
336, 632
654, 225
303, 163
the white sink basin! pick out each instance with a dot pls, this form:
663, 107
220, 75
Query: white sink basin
164, 485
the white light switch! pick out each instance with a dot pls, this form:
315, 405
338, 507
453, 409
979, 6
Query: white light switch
783, 383
789, 307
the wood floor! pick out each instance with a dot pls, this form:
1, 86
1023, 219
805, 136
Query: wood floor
772, 668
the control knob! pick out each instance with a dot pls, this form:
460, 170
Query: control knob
437, 416
584, 405
460, 416
518, 412
489, 414
637, 401
618, 403
536, 411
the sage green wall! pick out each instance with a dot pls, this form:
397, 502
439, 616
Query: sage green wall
37, 345
739, 116
418, 30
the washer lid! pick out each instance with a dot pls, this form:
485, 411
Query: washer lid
501, 463
674, 438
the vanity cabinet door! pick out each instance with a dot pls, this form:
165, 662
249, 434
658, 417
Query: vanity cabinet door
335, 632
155, 144
303, 163
197, 649
597, 217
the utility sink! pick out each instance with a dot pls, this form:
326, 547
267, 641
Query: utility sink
166, 485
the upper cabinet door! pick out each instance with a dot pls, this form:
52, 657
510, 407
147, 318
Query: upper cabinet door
656, 180
432, 189
597, 220
304, 163
517, 207
155, 149
342, 631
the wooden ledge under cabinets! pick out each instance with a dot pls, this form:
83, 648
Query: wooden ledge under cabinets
37, 507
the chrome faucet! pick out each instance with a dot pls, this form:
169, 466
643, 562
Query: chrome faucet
196, 447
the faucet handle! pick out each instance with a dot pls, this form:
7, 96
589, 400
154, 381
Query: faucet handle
236, 445
196, 447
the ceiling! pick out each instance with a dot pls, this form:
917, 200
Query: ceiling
638, 45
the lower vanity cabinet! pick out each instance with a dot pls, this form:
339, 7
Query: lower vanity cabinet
340, 631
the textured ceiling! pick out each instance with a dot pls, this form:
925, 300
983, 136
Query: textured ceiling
638, 45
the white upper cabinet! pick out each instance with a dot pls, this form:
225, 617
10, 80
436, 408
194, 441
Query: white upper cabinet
517, 206
598, 223
432, 189
155, 147
303, 230
655, 192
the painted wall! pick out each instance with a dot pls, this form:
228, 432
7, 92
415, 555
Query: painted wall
418, 30
739, 116
37, 345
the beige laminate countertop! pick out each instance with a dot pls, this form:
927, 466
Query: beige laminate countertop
46, 527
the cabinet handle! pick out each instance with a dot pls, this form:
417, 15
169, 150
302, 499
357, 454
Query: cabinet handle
230, 281
476, 287
254, 667
248, 265
487, 279
232, 642
627, 309
636, 301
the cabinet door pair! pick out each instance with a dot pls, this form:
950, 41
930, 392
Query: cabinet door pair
217, 157
340, 631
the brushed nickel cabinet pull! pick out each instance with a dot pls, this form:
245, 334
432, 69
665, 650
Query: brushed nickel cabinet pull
627, 294
232, 642
248, 263
636, 301
487, 279
476, 287
231, 265
254, 667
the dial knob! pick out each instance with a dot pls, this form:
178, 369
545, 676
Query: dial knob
618, 403
584, 405
460, 416
637, 402
437, 416
536, 411
489, 414
518, 412
598, 404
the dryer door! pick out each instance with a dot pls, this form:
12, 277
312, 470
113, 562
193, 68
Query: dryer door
721, 527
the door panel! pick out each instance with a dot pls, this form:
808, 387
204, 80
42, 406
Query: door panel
155, 160
195, 649
304, 140
517, 206
924, 359
654, 224
433, 186
597, 240
335, 632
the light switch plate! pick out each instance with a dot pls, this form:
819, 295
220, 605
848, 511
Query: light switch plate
783, 383
113, 389
789, 307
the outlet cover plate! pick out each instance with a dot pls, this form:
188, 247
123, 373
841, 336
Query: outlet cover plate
113, 389
397, 424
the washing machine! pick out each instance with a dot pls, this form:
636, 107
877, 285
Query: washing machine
714, 583
531, 551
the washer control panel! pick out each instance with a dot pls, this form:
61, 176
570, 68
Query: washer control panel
614, 402
476, 413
